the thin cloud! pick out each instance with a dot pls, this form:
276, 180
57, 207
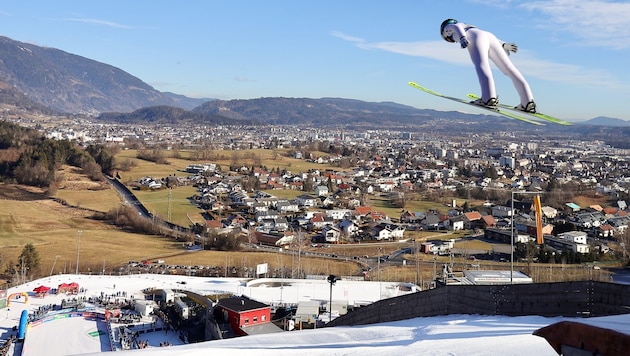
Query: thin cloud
437, 50
427, 49
529, 64
347, 38
99, 22
597, 23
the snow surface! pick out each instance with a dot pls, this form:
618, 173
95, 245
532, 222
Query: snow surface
442, 335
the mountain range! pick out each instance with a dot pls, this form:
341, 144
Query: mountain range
69, 83
48, 80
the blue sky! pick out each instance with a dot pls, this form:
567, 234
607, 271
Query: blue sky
575, 54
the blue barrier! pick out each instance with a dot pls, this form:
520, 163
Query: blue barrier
23, 322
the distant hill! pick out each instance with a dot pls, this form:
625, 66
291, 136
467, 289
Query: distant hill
185, 102
169, 115
606, 121
73, 84
326, 111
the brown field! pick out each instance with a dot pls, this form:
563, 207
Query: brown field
181, 211
79, 191
585, 201
55, 230
266, 158
27, 216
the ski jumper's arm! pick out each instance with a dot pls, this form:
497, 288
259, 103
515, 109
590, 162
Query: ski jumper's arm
456, 30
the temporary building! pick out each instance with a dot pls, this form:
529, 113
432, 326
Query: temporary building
72, 288
41, 291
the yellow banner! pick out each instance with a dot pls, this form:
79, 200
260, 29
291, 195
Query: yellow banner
539, 230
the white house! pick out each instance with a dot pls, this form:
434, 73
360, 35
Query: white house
182, 308
385, 231
578, 237
456, 223
306, 200
338, 214
331, 234
349, 228
150, 182
563, 243
321, 190
549, 212
287, 207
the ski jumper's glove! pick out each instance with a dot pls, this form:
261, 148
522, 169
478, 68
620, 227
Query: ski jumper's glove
463, 41
510, 47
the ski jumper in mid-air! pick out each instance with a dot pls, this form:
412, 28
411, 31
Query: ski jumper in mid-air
482, 46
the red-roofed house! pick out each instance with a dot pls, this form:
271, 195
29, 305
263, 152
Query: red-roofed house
363, 210
246, 316
605, 231
610, 210
489, 221
378, 215
473, 220
213, 224
319, 220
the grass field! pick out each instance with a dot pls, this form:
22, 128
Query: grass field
271, 159
102, 200
182, 212
79, 191
57, 232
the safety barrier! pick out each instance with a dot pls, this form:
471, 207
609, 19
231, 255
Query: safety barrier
571, 299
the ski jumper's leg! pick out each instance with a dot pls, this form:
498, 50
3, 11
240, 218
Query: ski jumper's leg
503, 62
478, 50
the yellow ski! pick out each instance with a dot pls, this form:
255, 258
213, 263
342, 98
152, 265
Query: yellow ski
545, 117
504, 113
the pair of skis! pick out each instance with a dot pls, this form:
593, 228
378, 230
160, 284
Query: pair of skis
502, 109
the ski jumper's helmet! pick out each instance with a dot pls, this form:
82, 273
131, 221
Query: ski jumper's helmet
447, 38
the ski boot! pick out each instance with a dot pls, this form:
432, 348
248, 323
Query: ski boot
530, 107
492, 103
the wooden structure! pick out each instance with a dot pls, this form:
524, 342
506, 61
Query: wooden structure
570, 299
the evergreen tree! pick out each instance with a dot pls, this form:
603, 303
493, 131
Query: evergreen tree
491, 173
29, 260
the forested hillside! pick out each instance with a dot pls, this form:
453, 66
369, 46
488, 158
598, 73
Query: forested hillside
169, 115
26, 157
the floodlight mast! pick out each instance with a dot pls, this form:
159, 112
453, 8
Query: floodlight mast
331, 279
